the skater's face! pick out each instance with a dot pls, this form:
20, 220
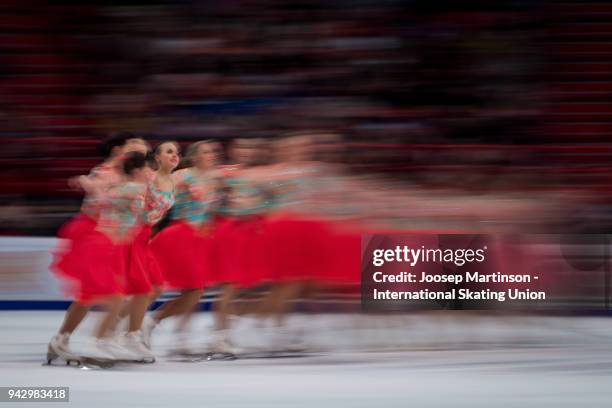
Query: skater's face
215, 154
208, 155
242, 153
167, 156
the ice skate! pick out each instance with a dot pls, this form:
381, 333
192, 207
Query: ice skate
113, 350
286, 343
296, 342
222, 348
58, 349
181, 351
133, 342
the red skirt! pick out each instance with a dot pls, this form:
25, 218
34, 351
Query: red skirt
143, 271
299, 249
183, 255
349, 258
344, 267
240, 257
71, 232
94, 268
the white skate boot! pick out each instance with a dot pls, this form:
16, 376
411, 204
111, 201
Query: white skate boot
58, 349
133, 342
222, 347
286, 340
113, 350
181, 349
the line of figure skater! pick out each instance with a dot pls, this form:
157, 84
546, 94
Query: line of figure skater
268, 216
279, 219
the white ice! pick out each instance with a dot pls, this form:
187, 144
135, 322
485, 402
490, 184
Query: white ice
422, 360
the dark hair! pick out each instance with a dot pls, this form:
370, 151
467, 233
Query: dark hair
163, 223
115, 140
151, 162
133, 161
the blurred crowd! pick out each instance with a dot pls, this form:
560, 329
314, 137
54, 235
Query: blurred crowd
441, 106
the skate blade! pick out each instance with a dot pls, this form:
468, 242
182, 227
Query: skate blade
84, 363
220, 356
92, 362
54, 359
143, 361
147, 361
274, 354
186, 357
51, 357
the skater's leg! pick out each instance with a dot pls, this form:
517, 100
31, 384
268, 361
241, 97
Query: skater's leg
123, 312
113, 307
287, 293
148, 325
183, 307
59, 344
155, 294
224, 306
167, 309
190, 298
138, 308
125, 308
266, 305
185, 302
74, 316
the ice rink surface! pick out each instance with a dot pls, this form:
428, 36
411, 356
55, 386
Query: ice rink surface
424, 360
